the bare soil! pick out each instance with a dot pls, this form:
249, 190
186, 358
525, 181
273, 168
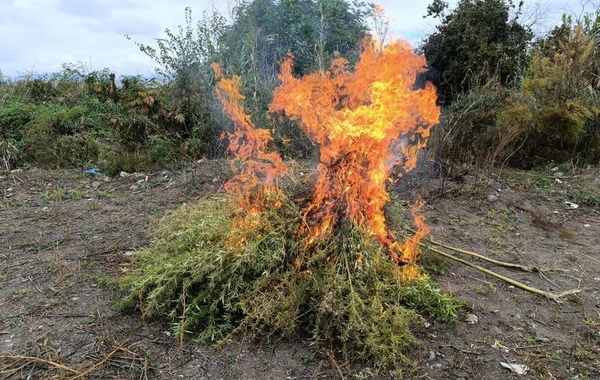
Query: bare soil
64, 234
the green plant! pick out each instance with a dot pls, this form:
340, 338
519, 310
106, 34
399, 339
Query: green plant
307, 358
162, 150
484, 127
112, 162
18, 294
13, 118
61, 194
468, 50
274, 285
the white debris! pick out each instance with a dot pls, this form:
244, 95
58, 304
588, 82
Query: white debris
519, 369
572, 205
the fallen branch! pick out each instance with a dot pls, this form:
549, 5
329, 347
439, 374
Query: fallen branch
553, 296
484, 258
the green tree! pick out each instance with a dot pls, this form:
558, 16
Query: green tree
475, 42
263, 32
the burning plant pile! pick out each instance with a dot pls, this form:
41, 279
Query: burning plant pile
261, 261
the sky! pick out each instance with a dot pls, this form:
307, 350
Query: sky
39, 36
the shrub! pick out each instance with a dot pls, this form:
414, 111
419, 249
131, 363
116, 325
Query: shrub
469, 50
484, 127
13, 118
162, 150
561, 80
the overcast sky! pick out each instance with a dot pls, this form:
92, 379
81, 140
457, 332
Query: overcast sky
40, 35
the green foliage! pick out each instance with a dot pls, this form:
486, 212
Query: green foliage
184, 60
562, 79
13, 117
265, 31
119, 158
39, 90
60, 137
344, 291
190, 48
477, 41
553, 114
161, 150
485, 126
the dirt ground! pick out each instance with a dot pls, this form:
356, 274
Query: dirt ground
64, 234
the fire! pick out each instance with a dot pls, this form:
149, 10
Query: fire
410, 246
365, 122
256, 170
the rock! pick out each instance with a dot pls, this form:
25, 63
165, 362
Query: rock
471, 319
492, 198
558, 174
572, 205
431, 355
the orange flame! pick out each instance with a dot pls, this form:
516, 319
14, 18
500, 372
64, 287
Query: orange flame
410, 246
365, 122
256, 170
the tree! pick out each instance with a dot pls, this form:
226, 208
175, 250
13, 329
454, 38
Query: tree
265, 31
478, 40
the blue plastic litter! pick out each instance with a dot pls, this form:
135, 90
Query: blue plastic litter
93, 171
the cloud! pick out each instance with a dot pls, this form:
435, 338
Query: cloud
94, 9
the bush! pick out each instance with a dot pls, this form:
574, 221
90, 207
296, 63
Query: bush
162, 151
469, 50
13, 118
484, 127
